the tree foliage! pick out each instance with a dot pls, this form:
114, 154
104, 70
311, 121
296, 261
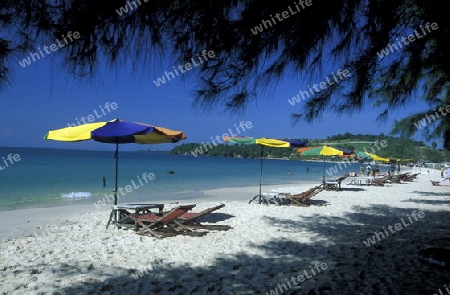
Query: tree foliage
396, 148
233, 150
347, 34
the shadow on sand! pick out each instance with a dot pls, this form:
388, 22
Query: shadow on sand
352, 189
434, 194
389, 266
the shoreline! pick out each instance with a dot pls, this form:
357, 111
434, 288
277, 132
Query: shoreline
264, 246
19, 222
15, 221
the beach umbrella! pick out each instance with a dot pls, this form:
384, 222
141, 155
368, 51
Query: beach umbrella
368, 156
378, 158
324, 151
401, 160
240, 139
263, 142
271, 142
347, 152
116, 132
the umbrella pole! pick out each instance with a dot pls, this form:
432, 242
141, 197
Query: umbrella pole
260, 173
323, 178
117, 172
259, 195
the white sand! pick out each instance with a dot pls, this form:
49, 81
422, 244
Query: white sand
66, 251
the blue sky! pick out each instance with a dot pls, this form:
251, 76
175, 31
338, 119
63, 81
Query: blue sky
43, 97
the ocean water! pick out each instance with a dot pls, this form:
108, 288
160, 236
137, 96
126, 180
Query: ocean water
57, 177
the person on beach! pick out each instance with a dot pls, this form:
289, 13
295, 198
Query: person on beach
392, 168
307, 169
442, 171
447, 176
377, 170
361, 170
368, 169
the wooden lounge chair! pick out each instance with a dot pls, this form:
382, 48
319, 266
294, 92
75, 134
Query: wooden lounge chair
395, 179
403, 176
161, 226
381, 180
410, 177
435, 183
301, 199
126, 209
191, 217
334, 184
360, 180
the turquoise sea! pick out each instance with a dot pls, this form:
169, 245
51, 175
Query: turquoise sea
56, 177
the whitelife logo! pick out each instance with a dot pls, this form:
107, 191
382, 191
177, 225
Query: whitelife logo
184, 68
206, 146
91, 118
128, 189
11, 158
431, 117
281, 16
342, 74
53, 47
398, 226
411, 38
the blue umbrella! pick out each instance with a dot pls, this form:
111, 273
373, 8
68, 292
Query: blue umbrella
116, 132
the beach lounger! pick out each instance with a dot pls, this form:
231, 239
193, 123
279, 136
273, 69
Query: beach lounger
124, 210
410, 177
395, 179
435, 183
301, 199
162, 226
191, 217
190, 220
403, 176
334, 184
381, 180
361, 180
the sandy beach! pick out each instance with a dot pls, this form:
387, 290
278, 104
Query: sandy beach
360, 240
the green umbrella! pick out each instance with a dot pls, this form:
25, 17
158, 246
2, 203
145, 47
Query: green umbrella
323, 151
271, 142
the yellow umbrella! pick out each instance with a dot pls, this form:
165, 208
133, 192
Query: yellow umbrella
272, 142
74, 133
322, 150
378, 158
263, 141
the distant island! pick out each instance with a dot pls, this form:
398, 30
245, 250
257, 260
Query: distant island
403, 148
